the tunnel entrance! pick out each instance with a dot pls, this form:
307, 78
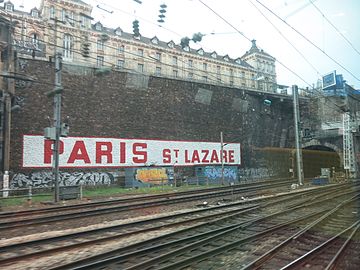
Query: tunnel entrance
316, 157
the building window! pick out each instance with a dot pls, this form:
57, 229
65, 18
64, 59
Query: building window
83, 20
231, 76
171, 44
34, 13
140, 68
174, 60
219, 79
120, 64
158, 56
190, 75
34, 38
243, 74
100, 45
218, 68
52, 12
100, 61
68, 46
118, 32
140, 52
121, 49
9, 7
204, 66
72, 17
63, 15
204, 78
175, 73
158, 71
190, 63
154, 40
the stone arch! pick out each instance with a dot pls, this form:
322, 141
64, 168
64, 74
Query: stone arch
317, 155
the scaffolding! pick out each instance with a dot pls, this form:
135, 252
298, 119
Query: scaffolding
348, 146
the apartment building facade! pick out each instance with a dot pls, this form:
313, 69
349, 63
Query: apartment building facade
66, 25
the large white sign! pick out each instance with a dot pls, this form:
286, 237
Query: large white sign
76, 152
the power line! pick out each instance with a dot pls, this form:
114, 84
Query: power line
227, 22
308, 40
337, 30
292, 45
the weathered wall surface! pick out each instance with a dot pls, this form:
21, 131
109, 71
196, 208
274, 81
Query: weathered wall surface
126, 105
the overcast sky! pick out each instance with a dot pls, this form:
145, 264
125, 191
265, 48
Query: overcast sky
186, 17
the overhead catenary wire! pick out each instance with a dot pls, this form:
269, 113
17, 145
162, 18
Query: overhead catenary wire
308, 40
284, 37
286, 67
336, 29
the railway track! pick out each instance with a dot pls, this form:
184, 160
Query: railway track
13, 220
206, 222
182, 251
319, 245
211, 215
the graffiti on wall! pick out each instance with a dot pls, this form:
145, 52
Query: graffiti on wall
255, 173
214, 173
152, 176
45, 179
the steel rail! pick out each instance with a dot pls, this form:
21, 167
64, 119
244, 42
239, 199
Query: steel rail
95, 212
99, 259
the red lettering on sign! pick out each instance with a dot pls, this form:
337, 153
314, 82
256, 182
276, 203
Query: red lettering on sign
122, 152
48, 151
205, 156
187, 160
104, 152
79, 152
214, 157
195, 157
231, 156
141, 155
166, 156
225, 156
176, 153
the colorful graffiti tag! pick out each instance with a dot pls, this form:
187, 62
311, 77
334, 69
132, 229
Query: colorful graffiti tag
152, 176
45, 179
213, 173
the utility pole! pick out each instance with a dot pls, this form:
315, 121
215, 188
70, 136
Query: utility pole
57, 116
222, 157
10, 86
299, 161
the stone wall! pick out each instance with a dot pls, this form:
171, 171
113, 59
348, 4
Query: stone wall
129, 105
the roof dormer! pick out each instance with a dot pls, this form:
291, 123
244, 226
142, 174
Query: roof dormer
171, 44
226, 58
238, 61
200, 51
118, 31
34, 12
9, 6
98, 26
154, 40
213, 55
186, 49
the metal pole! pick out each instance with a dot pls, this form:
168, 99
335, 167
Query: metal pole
11, 91
299, 162
57, 117
222, 157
